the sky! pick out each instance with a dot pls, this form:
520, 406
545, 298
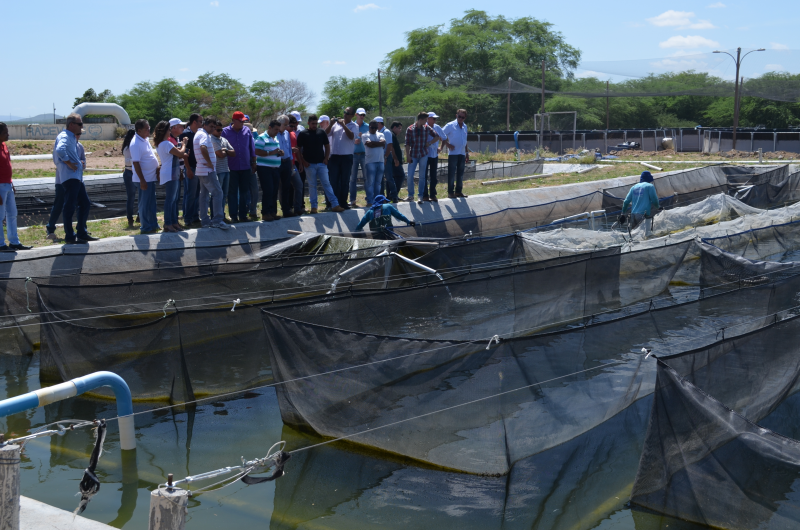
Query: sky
55, 50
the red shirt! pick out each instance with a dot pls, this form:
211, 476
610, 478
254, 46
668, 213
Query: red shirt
293, 136
5, 164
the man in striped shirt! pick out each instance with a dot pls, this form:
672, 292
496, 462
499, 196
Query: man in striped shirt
268, 166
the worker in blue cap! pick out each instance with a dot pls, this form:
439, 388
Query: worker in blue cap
642, 199
380, 215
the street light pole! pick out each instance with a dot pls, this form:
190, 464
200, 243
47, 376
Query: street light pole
380, 99
738, 60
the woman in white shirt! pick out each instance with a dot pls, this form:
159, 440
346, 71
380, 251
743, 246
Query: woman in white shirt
170, 173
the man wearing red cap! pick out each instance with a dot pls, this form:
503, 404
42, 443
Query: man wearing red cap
241, 167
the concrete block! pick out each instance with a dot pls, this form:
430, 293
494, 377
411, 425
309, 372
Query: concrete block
35, 515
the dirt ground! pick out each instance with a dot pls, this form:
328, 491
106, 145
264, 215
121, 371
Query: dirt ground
671, 154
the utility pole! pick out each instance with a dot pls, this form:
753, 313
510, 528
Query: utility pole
508, 106
738, 60
542, 89
607, 115
380, 99
54, 113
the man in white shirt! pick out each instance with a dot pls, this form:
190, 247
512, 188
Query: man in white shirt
387, 187
344, 134
207, 173
374, 152
455, 139
145, 173
359, 156
433, 158
299, 119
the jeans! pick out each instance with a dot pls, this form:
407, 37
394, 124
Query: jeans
8, 210
171, 188
339, 168
147, 208
422, 162
287, 189
372, 180
253, 180
313, 171
388, 186
58, 207
209, 187
191, 192
270, 178
299, 190
224, 181
238, 187
359, 159
130, 192
433, 167
455, 173
75, 198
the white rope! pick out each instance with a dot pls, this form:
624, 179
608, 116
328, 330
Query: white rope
237, 301
496, 339
169, 302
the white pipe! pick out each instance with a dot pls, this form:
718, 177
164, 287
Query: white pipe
361, 265
109, 109
414, 263
651, 166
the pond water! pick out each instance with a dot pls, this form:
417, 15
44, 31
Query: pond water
584, 483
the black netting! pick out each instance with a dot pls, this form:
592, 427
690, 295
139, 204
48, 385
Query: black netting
775, 242
705, 459
480, 407
720, 270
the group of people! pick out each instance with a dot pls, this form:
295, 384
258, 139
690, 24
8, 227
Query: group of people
211, 165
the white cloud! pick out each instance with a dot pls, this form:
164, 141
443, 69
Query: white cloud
688, 42
334, 62
717, 5
366, 7
773, 67
778, 46
679, 19
672, 18
215, 3
184, 70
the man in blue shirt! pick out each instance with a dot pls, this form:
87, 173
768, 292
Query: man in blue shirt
642, 198
456, 141
58, 203
75, 197
380, 215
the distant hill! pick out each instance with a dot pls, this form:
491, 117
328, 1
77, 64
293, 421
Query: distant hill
40, 118
8, 117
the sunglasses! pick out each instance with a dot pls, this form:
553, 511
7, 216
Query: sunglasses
348, 113
78, 123
462, 117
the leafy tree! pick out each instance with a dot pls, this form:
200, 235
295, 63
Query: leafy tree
341, 92
90, 96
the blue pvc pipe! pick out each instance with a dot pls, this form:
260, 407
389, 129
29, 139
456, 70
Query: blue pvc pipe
82, 385
121, 391
516, 139
18, 404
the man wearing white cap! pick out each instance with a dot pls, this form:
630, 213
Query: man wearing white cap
299, 119
433, 158
387, 187
359, 156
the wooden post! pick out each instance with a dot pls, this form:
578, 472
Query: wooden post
168, 507
9, 487
607, 109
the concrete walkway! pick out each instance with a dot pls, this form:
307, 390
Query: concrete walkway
35, 515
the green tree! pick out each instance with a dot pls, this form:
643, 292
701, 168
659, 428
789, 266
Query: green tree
342, 92
90, 96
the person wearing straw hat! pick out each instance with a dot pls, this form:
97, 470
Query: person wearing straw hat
380, 215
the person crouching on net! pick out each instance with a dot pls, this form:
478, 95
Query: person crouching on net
380, 215
642, 199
